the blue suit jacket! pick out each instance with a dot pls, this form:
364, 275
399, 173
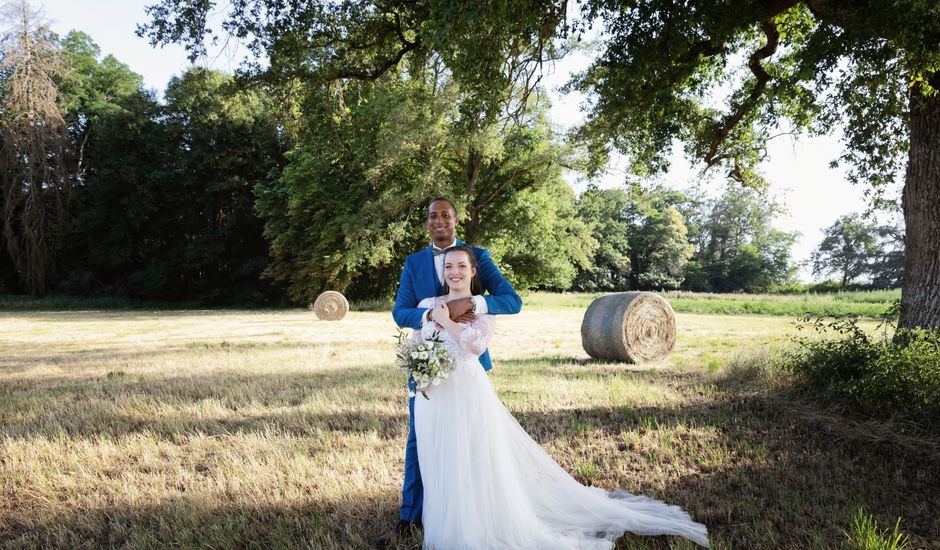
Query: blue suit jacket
419, 281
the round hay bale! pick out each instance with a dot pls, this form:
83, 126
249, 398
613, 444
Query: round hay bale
330, 306
632, 326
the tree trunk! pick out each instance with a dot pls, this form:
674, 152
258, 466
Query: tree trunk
920, 293
471, 176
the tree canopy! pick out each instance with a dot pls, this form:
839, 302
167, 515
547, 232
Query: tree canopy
720, 77
350, 204
494, 49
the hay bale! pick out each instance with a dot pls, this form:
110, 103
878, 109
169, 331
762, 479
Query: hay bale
330, 306
631, 326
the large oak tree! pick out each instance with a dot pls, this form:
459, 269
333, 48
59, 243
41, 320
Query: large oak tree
871, 68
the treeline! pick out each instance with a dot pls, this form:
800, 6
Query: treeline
659, 238
666, 239
227, 193
161, 206
855, 248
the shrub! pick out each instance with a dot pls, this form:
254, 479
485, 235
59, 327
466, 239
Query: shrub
873, 374
906, 375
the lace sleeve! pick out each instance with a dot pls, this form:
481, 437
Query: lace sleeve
427, 329
477, 335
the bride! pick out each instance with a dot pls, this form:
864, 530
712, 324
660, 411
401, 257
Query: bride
487, 484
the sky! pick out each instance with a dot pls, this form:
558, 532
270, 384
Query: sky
797, 169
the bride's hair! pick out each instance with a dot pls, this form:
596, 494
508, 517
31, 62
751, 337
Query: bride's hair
475, 287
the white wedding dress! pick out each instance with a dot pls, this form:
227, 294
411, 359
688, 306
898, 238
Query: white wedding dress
488, 485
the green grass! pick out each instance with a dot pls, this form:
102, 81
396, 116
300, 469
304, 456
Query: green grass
867, 535
865, 304
271, 429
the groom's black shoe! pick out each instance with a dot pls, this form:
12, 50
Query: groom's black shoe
403, 529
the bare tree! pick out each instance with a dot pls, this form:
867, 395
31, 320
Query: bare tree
37, 164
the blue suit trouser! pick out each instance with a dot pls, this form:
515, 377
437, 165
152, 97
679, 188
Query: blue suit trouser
412, 490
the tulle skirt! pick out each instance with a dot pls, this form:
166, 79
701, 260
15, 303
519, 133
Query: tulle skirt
488, 485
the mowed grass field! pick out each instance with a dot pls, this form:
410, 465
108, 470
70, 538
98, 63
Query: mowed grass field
253, 429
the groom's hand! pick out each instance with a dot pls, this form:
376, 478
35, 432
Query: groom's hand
461, 310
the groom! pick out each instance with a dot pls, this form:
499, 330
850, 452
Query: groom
423, 277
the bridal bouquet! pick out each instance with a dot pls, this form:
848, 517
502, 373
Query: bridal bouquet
428, 362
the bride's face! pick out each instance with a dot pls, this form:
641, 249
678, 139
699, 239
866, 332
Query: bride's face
458, 271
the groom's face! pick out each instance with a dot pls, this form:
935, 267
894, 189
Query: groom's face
442, 223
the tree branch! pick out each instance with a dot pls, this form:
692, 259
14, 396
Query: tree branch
377, 72
364, 74
471, 171
502, 187
773, 37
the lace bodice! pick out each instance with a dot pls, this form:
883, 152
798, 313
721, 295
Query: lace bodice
471, 344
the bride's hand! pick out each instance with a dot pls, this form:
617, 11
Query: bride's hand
441, 315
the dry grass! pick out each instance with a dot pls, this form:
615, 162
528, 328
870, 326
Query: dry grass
259, 430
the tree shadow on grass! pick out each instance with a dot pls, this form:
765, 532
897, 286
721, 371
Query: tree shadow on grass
290, 403
547, 361
579, 367
758, 472
757, 475
180, 522
780, 483
13, 360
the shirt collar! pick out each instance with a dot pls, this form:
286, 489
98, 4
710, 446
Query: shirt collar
453, 244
